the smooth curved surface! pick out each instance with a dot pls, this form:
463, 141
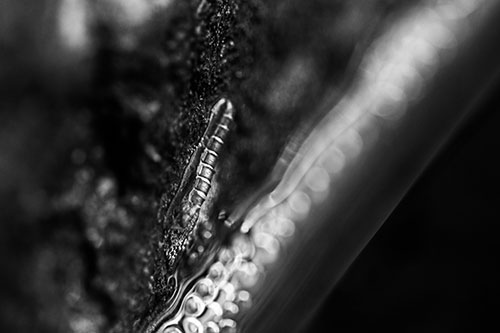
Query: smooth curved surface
370, 149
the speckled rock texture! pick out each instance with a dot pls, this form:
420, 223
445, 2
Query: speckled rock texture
96, 129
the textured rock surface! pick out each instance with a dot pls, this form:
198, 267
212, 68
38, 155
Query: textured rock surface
97, 127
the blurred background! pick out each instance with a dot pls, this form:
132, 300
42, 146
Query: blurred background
100, 104
433, 266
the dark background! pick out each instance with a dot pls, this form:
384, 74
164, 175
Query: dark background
434, 265
77, 171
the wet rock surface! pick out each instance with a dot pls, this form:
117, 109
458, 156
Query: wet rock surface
94, 137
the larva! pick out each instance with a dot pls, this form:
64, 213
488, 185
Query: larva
206, 167
183, 214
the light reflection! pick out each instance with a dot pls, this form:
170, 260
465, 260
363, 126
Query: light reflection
317, 179
392, 103
191, 325
269, 244
172, 330
243, 246
393, 76
244, 298
432, 28
350, 143
409, 80
299, 203
285, 227
73, 24
333, 160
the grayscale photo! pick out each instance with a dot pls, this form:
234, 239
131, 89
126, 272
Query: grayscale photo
249, 166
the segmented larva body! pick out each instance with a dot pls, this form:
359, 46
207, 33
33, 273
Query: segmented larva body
184, 212
206, 167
